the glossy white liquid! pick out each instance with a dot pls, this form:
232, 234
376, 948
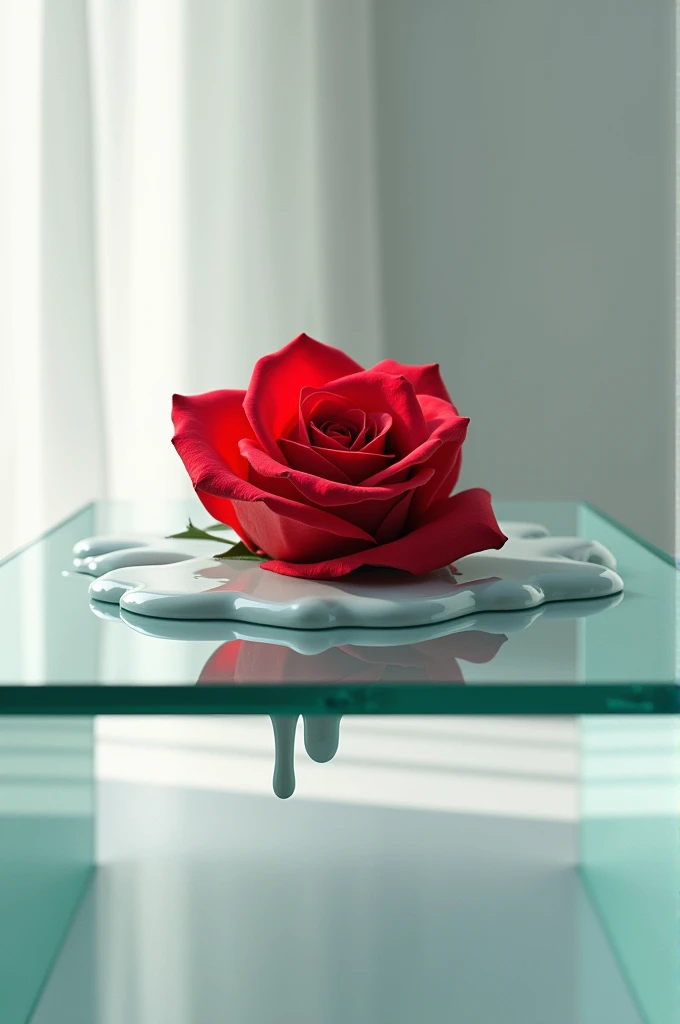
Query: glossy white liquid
150, 576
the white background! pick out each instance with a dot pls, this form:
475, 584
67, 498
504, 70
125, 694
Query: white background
185, 186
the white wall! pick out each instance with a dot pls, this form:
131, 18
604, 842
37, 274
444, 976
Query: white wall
202, 185
526, 179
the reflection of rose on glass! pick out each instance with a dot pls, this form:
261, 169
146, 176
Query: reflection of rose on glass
249, 661
436, 660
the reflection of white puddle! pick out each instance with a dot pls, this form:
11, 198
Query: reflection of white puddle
318, 640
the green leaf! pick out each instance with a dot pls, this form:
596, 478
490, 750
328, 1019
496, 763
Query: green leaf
196, 533
241, 551
219, 526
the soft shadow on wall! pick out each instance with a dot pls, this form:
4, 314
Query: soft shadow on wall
527, 190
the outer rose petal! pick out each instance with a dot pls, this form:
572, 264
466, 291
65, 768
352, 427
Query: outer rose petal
454, 528
394, 522
447, 434
217, 417
446, 461
215, 420
226, 495
223, 511
446, 473
271, 402
426, 379
283, 537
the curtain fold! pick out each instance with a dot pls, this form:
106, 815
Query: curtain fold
184, 186
51, 456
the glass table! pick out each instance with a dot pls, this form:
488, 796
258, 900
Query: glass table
612, 662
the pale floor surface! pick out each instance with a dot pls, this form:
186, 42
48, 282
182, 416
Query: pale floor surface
510, 767
391, 887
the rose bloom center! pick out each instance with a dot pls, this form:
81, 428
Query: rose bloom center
343, 433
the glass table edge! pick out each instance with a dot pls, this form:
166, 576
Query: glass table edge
658, 552
347, 699
11, 555
616, 523
656, 698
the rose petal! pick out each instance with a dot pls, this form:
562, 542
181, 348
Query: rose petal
285, 537
309, 460
223, 510
369, 515
217, 417
317, 403
327, 492
446, 428
446, 463
453, 528
215, 421
317, 407
340, 432
394, 522
447, 460
383, 393
355, 466
426, 380
344, 427
379, 428
321, 440
371, 439
359, 441
271, 401
218, 486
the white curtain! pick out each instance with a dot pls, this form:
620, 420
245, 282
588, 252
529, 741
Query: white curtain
184, 185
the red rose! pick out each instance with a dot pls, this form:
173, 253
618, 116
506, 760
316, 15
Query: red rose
326, 467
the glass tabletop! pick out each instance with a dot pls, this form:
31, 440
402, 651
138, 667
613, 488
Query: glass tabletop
60, 653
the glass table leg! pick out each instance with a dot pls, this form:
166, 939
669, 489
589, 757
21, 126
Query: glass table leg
629, 852
46, 848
